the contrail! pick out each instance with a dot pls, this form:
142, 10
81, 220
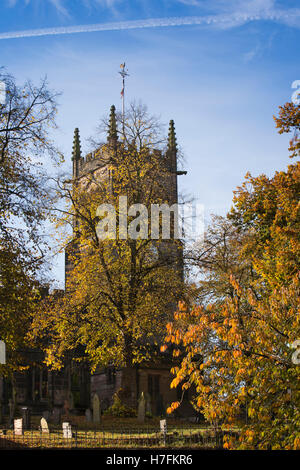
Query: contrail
224, 21
116, 26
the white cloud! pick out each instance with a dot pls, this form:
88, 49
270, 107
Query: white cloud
232, 6
108, 3
57, 4
249, 6
62, 7
193, 3
102, 3
250, 55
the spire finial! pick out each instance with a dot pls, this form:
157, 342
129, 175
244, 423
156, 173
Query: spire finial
76, 153
112, 127
172, 143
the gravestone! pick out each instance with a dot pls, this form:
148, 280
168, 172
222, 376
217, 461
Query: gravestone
163, 425
71, 401
56, 415
88, 415
44, 426
142, 408
11, 411
66, 407
2, 353
96, 408
163, 429
193, 419
18, 427
67, 430
148, 403
26, 415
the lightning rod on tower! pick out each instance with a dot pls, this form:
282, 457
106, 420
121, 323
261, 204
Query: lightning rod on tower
124, 73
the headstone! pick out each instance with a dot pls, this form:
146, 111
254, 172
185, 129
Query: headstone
193, 419
142, 409
163, 425
96, 408
2, 353
66, 407
163, 429
44, 426
26, 417
56, 415
18, 427
71, 401
148, 403
11, 410
67, 430
88, 415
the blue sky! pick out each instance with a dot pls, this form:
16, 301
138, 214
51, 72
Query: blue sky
221, 81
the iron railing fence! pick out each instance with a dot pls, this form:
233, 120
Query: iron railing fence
115, 438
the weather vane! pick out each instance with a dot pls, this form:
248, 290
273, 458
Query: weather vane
124, 73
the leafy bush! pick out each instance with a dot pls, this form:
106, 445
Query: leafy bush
119, 410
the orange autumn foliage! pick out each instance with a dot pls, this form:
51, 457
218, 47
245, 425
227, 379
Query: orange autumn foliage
236, 348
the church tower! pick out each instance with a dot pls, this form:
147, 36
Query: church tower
94, 167
100, 166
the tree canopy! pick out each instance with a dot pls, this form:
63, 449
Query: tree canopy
236, 344
26, 115
120, 290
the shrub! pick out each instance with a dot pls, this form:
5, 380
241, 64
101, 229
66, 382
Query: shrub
119, 410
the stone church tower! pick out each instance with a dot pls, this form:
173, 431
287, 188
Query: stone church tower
151, 379
95, 167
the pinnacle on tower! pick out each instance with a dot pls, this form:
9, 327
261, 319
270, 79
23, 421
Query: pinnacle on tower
112, 127
172, 144
76, 152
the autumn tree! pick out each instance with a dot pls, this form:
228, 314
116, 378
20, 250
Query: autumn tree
237, 347
26, 115
288, 121
120, 289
